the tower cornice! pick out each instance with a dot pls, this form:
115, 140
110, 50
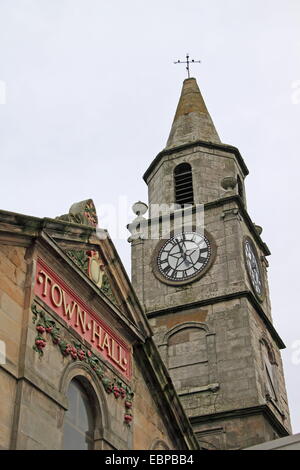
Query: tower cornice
210, 205
223, 298
198, 143
237, 413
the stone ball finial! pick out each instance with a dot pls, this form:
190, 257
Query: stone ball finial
229, 182
139, 208
258, 228
139, 226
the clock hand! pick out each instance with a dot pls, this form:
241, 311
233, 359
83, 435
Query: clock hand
175, 255
179, 245
192, 250
183, 261
189, 255
181, 250
183, 242
190, 261
186, 261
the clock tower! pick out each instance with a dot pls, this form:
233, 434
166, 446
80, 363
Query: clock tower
199, 268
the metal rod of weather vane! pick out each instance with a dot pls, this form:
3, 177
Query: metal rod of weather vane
187, 62
188, 65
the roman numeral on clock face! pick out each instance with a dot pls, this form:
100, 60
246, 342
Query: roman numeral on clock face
167, 270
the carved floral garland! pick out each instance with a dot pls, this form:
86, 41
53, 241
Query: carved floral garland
45, 325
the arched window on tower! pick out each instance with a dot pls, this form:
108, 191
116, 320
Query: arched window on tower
183, 180
269, 365
78, 432
190, 355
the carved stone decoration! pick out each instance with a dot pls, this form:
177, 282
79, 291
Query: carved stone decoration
83, 212
230, 214
139, 208
259, 229
48, 329
80, 258
91, 264
107, 290
139, 226
95, 268
229, 182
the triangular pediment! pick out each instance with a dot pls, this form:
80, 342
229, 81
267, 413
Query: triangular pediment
92, 264
90, 250
101, 267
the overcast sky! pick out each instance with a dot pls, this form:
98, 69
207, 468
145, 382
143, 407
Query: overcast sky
91, 90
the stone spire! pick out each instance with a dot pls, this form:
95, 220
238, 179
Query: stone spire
192, 121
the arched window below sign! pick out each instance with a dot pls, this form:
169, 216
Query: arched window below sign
78, 431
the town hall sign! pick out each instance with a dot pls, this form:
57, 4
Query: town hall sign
55, 293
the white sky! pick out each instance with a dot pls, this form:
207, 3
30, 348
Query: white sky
91, 91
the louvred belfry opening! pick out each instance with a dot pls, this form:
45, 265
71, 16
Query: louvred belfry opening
183, 180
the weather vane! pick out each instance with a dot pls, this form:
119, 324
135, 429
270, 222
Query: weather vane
188, 62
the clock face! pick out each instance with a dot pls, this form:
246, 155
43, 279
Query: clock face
253, 267
183, 257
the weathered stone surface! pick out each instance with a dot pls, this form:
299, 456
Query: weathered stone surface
149, 426
223, 301
192, 120
34, 383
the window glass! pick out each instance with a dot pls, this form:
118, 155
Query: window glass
79, 422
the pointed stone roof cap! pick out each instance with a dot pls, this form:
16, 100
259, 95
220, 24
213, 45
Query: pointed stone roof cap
192, 120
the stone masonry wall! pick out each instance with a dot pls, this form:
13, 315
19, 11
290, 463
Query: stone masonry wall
234, 433
209, 167
12, 294
229, 372
225, 276
33, 392
279, 406
149, 427
236, 377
